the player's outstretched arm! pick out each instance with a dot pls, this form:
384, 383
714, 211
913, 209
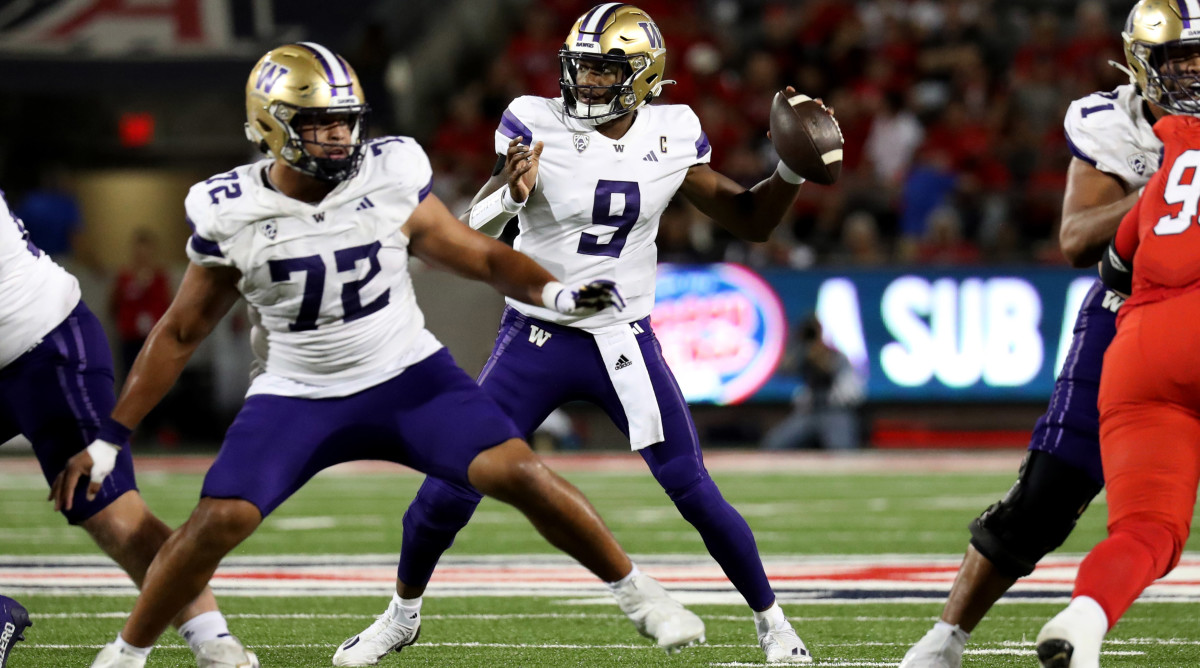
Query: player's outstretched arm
1093, 206
748, 214
434, 235
204, 296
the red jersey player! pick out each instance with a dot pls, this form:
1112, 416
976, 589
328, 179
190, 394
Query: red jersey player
1149, 403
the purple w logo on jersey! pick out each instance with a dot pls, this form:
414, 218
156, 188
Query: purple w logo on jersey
268, 76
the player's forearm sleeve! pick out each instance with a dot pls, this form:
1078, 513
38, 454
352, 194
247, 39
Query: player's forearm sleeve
490, 214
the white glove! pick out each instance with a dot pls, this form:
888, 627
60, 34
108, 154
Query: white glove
104, 460
588, 299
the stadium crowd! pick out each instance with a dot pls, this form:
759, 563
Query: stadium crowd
951, 109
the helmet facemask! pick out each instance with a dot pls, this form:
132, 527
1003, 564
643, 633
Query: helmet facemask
295, 151
1167, 85
620, 97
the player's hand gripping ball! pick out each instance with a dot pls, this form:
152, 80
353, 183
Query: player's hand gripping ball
806, 137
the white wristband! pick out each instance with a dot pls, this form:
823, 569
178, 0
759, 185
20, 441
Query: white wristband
489, 212
550, 294
788, 175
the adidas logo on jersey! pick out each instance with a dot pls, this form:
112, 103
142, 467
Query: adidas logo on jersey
366, 203
622, 362
650, 157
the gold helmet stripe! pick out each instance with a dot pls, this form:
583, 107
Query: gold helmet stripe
335, 69
593, 24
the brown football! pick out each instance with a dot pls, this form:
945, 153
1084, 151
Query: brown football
806, 137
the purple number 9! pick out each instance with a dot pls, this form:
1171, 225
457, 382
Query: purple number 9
589, 244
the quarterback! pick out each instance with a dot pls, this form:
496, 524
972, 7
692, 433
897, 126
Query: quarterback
1115, 154
317, 239
587, 175
56, 385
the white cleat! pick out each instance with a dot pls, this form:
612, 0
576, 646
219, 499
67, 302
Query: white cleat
111, 656
225, 652
781, 644
388, 633
1072, 638
941, 647
656, 615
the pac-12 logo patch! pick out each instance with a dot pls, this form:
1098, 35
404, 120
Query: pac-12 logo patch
581, 141
269, 229
1138, 163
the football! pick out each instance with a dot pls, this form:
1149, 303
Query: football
806, 137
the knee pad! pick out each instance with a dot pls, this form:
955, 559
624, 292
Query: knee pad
1035, 516
441, 507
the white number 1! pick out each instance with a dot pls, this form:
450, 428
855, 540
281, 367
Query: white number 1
1176, 192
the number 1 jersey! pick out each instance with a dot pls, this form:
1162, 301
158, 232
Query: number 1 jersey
329, 280
595, 209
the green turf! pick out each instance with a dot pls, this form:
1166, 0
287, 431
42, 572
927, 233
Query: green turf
792, 514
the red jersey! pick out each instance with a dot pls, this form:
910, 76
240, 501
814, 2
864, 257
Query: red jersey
1161, 232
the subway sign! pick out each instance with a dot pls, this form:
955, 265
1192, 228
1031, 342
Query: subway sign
932, 335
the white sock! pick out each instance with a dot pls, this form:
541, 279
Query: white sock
953, 628
1091, 610
614, 586
405, 608
773, 616
204, 626
139, 651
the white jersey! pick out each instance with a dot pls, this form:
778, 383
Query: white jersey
1114, 133
36, 294
594, 212
329, 280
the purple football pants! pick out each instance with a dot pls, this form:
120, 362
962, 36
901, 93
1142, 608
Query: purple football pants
432, 418
55, 395
529, 381
1070, 429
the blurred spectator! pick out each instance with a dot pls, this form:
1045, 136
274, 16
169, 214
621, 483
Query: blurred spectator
861, 243
51, 215
894, 137
826, 405
140, 296
943, 242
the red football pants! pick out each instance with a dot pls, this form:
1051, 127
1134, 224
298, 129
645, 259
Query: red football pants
1150, 447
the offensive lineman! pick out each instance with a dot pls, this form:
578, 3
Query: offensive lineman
1115, 154
317, 241
605, 165
56, 383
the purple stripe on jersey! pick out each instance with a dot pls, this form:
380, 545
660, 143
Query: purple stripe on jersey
324, 63
512, 127
202, 245
425, 191
702, 147
1078, 153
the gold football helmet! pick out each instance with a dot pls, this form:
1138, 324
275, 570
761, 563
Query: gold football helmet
613, 34
299, 84
1160, 36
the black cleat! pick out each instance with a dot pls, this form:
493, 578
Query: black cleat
14, 619
1055, 653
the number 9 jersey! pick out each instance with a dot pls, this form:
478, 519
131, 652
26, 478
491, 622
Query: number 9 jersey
329, 280
1159, 233
595, 209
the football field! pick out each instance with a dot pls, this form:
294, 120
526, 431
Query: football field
861, 549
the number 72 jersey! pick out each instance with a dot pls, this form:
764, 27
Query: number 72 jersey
329, 280
595, 210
